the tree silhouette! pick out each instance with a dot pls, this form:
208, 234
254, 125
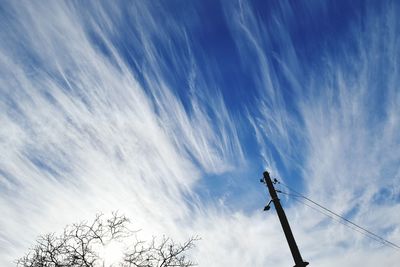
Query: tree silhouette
81, 244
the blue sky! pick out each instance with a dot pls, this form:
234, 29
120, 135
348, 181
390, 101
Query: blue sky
169, 111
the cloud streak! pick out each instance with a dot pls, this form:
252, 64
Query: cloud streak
339, 128
80, 134
124, 106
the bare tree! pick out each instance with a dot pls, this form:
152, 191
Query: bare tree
79, 246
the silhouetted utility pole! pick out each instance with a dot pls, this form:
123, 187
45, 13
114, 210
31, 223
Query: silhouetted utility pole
284, 222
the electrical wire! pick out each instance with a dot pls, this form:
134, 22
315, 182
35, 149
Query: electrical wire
333, 215
335, 219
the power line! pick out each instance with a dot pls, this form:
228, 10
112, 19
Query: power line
335, 218
329, 214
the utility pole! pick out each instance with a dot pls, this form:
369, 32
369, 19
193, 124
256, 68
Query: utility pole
284, 222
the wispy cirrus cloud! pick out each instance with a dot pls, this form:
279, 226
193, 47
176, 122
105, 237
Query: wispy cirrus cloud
80, 134
334, 121
125, 106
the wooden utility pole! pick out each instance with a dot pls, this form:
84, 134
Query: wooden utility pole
284, 222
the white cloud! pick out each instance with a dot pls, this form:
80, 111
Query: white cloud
79, 134
341, 140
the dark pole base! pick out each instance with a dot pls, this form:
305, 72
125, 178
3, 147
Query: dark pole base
303, 264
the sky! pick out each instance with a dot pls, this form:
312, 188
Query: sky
170, 111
